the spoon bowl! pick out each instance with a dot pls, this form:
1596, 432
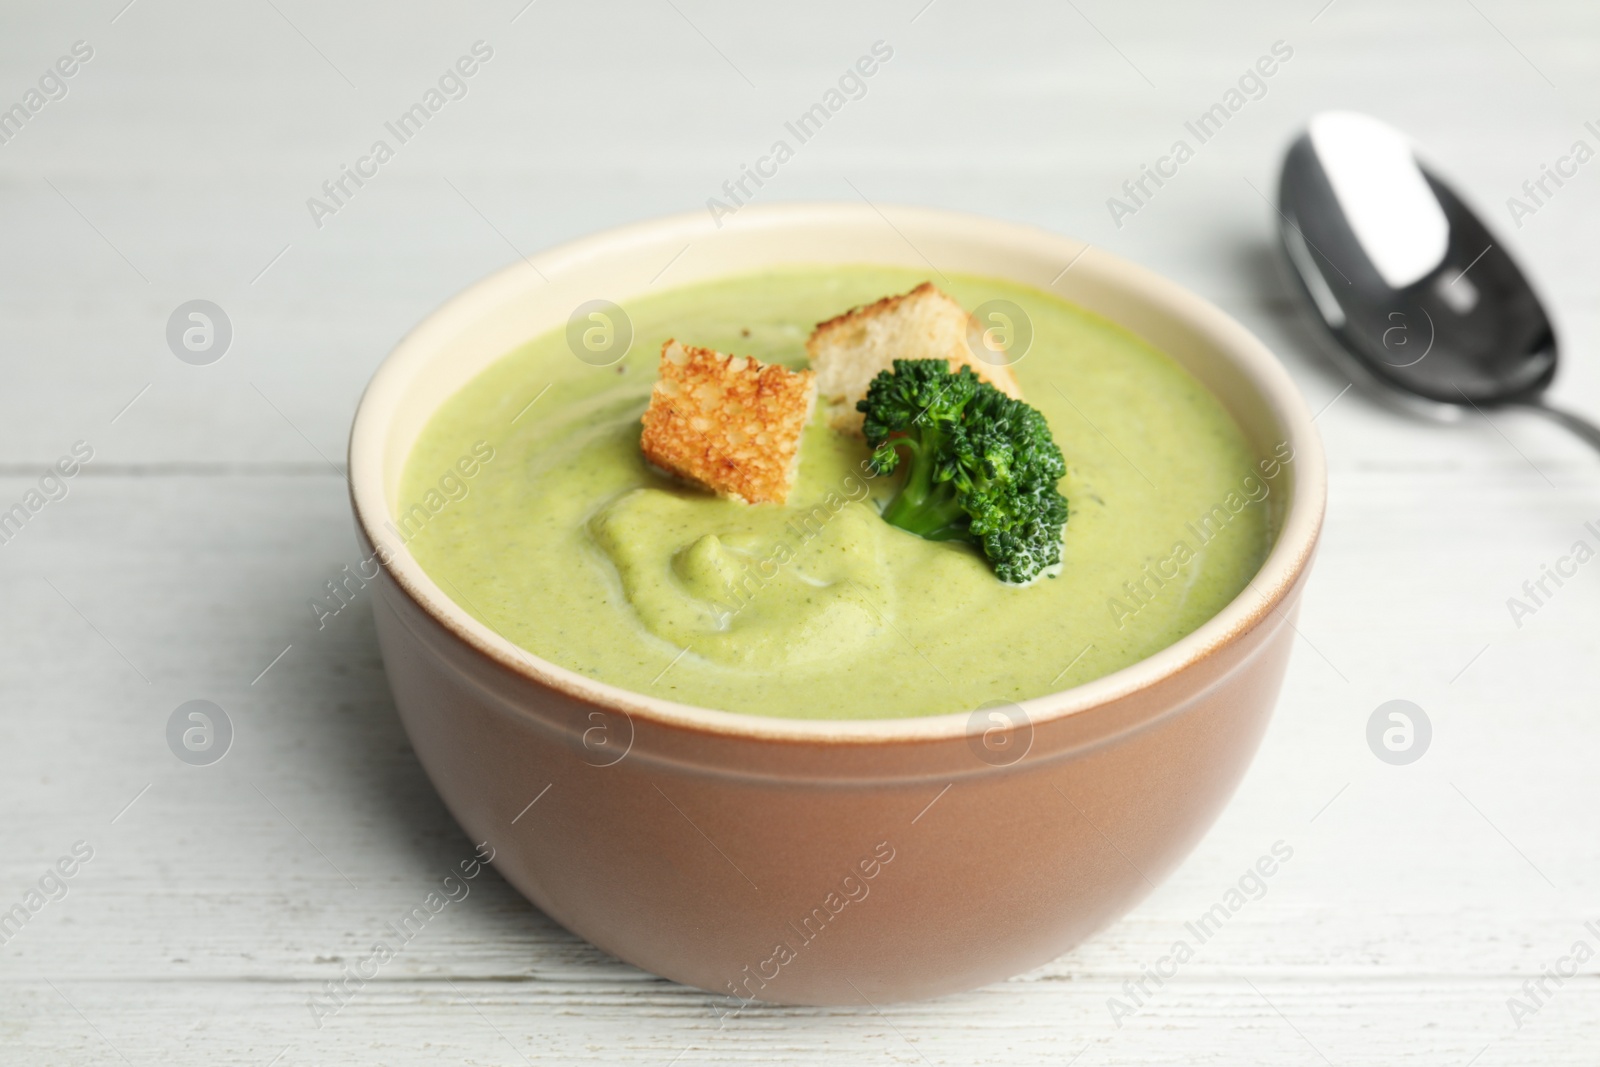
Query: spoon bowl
1416, 298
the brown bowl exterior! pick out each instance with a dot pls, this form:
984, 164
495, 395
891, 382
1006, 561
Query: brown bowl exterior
770, 870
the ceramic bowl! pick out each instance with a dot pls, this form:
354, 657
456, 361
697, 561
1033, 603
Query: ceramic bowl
830, 862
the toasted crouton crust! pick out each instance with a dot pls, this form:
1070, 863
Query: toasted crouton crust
729, 423
850, 350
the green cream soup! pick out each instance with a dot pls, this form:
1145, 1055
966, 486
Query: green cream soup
527, 500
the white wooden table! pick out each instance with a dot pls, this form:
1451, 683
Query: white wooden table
1419, 898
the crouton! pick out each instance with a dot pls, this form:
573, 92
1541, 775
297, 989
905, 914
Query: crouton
849, 351
729, 423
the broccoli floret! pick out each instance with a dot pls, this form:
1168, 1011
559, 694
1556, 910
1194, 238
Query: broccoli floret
982, 467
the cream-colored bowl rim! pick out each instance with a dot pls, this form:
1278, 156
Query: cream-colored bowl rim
372, 478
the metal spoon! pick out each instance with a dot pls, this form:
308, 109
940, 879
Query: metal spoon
1418, 301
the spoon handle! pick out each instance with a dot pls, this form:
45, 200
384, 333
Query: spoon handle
1578, 424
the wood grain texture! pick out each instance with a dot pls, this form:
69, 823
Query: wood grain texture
179, 566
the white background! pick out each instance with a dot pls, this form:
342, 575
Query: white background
1418, 898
